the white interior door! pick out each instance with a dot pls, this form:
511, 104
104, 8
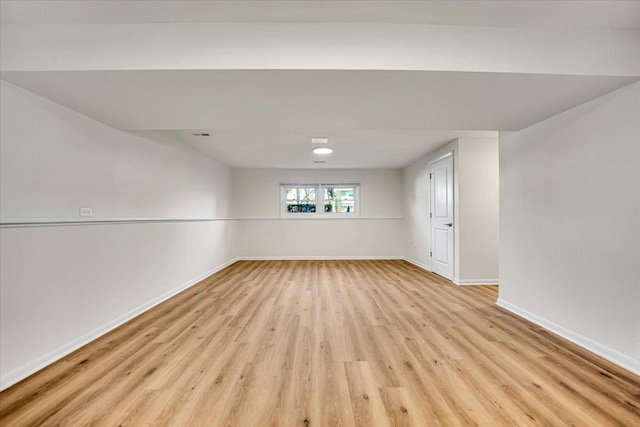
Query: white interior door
441, 177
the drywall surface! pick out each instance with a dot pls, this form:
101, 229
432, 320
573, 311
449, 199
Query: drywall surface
60, 284
262, 233
336, 46
475, 209
478, 175
319, 239
570, 222
55, 161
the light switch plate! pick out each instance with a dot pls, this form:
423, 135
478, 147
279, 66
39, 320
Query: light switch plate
86, 212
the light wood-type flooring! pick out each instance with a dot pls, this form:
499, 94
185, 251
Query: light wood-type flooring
327, 343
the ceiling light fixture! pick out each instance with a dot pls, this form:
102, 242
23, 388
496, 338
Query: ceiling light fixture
317, 140
323, 150
319, 162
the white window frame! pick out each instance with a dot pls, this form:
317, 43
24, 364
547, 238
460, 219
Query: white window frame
320, 213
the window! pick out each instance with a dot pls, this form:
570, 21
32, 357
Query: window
320, 200
339, 199
301, 199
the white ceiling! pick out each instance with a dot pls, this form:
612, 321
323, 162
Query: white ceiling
354, 148
605, 14
311, 100
265, 118
263, 77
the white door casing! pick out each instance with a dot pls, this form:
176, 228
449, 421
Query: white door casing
442, 226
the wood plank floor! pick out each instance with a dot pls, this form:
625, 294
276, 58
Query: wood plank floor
327, 343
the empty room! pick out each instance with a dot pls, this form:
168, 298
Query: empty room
319, 213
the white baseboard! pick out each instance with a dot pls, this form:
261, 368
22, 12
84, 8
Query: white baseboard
468, 282
455, 279
603, 351
315, 257
45, 360
417, 264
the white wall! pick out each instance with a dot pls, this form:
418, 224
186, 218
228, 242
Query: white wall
476, 193
570, 224
479, 205
377, 233
59, 286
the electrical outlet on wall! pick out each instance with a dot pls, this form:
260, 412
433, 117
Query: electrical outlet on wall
86, 212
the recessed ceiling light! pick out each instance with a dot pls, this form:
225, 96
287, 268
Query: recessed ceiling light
200, 134
319, 140
323, 150
319, 162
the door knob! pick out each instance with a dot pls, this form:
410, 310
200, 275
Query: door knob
449, 224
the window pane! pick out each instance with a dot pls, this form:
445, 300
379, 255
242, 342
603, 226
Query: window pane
301, 199
339, 199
